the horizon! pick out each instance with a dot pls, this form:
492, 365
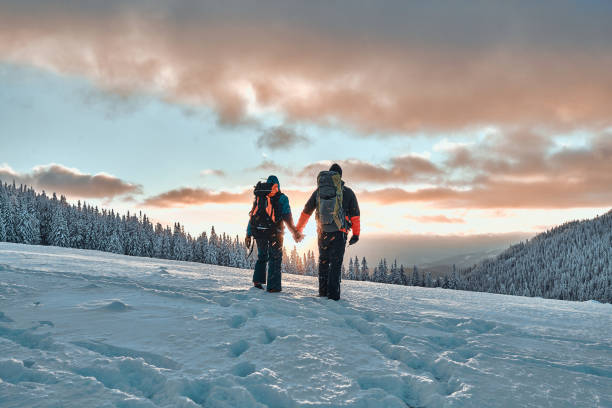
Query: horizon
459, 126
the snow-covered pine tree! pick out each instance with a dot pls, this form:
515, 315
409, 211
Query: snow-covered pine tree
428, 281
27, 226
179, 244
114, 244
59, 228
2, 226
365, 271
212, 247
350, 273
416, 280
404, 279
395, 277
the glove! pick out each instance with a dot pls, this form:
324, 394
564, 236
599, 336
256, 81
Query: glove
354, 239
247, 241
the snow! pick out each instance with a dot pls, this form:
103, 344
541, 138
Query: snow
83, 328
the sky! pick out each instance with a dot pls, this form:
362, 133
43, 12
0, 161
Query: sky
477, 123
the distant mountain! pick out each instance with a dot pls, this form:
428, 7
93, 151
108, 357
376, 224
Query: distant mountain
571, 262
444, 266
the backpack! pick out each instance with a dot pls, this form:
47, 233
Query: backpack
265, 215
330, 214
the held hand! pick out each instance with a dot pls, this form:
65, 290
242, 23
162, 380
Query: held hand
298, 236
354, 239
247, 241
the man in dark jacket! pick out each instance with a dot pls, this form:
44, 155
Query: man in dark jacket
332, 243
270, 246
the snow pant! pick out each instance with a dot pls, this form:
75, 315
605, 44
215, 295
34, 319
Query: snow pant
331, 253
270, 254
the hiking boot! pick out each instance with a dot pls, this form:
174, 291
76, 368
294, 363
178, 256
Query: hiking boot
274, 290
257, 285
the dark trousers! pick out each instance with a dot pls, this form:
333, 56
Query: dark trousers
331, 253
270, 253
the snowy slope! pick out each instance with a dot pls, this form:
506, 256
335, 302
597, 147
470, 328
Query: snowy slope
571, 262
89, 329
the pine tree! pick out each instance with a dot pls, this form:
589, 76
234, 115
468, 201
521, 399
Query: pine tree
59, 228
2, 227
114, 244
28, 227
428, 281
416, 281
3, 219
212, 247
365, 271
396, 277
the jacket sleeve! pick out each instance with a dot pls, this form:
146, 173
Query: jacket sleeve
311, 204
286, 215
285, 207
309, 208
353, 212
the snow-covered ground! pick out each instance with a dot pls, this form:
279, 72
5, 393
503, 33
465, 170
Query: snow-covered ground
89, 329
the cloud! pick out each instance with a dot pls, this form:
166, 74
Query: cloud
404, 68
436, 219
280, 138
71, 182
401, 169
268, 166
516, 171
186, 196
213, 172
532, 195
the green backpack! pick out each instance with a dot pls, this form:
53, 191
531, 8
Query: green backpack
330, 214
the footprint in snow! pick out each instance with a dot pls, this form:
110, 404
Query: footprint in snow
5, 319
116, 306
243, 369
270, 334
237, 348
236, 321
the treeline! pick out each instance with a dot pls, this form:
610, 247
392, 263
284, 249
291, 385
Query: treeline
30, 218
570, 262
382, 273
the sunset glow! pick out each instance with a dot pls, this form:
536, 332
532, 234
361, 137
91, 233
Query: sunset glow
489, 122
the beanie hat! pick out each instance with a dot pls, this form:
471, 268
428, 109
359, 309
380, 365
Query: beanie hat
336, 167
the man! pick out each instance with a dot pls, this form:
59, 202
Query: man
337, 213
270, 210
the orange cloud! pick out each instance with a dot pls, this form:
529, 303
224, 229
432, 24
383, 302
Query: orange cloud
185, 196
501, 174
443, 219
71, 182
401, 169
500, 195
388, 75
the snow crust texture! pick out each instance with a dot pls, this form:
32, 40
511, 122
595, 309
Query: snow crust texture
89, 329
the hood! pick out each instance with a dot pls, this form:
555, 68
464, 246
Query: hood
273, 180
